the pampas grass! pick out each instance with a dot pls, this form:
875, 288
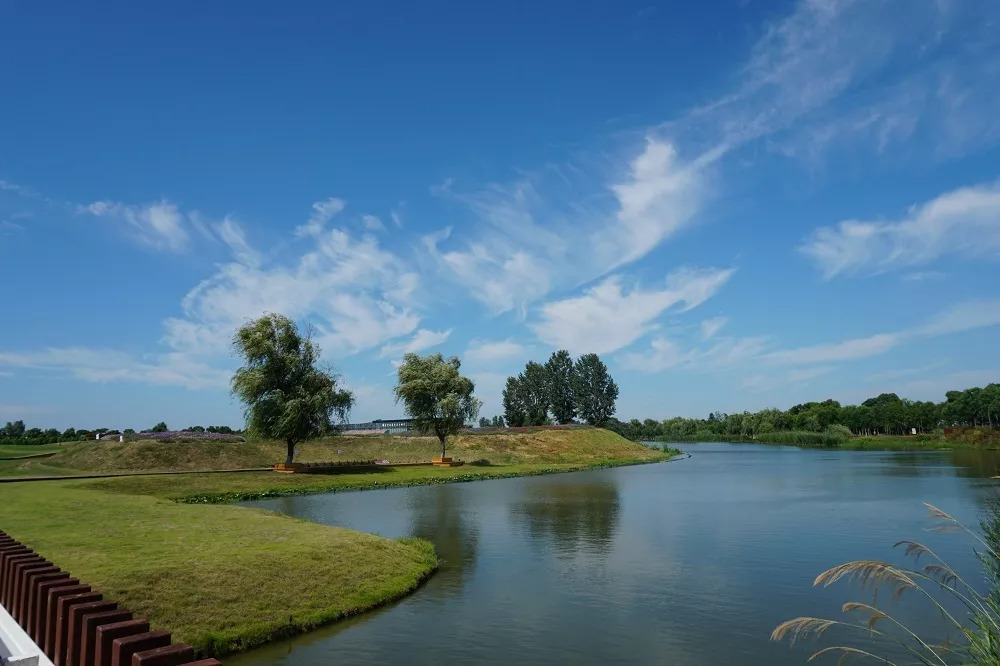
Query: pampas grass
979, 629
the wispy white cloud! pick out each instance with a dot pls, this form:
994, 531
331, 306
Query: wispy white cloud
511, 258
923, 276
107, 365
501, 281
232, 234
722, 354
767, 382
159, 224
660, 196
323, 212
422, 339
566, 226
710, 327
897, 373
163, 225
965, 221
491, 351
608, 316
355, 293
8, 227
7, 186
964, 316
396, 214
729, 353
846, 350
546, 231
828, 76
372, 223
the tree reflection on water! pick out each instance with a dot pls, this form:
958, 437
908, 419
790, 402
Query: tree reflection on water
577, 516
438, 516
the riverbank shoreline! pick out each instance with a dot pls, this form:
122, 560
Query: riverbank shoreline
383, 480
880, 443
225, 578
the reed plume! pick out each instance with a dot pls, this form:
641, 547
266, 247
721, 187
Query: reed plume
979, 630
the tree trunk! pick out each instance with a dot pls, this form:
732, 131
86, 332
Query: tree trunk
442, 438
291, 451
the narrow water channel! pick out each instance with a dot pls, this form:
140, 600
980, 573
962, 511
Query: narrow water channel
687, 562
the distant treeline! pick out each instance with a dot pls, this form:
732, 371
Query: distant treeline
885, 414
14, 432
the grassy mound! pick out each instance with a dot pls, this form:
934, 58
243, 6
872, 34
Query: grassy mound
220, 578
15, 450
577, 445
153, 455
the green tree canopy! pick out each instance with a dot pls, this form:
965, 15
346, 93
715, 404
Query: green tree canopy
559, 369
435, 395
13, 430
594, 391
535, 385
287, 394
514, 410
159, 427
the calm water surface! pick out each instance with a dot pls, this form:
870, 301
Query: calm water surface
688, 562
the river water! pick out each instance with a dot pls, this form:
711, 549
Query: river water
688, 562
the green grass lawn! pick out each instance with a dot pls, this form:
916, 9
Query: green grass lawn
220, 578
32, 467
226, 578
11, 450
215, 488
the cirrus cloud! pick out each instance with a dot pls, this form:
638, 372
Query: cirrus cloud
963, 221
609, 316
486, 351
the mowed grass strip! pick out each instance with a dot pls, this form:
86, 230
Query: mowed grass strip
223, 488
220, 578
13, 450
32, 467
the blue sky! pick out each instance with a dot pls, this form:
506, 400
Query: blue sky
738, 204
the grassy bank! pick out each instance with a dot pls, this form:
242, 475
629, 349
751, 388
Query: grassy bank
931, 442
904, 443
224, 488
14, 450
787, 437
218, 577
226, 578
576, 446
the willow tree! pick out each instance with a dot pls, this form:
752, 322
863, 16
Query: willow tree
288, 394
435, 395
